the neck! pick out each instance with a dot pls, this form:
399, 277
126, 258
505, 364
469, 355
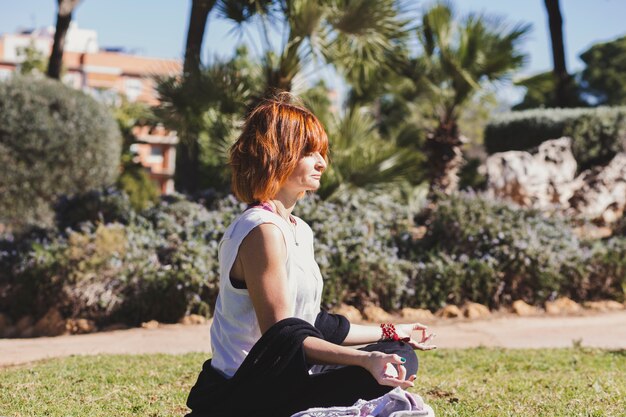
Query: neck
286, 200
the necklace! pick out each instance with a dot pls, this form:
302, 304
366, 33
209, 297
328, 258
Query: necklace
280, 210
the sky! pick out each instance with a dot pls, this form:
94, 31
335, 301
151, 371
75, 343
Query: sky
157, 28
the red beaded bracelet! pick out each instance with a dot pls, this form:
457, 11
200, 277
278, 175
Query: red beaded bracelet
389, 333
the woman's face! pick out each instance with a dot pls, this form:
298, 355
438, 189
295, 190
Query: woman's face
307, 174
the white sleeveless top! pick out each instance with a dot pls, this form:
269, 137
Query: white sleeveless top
235, 328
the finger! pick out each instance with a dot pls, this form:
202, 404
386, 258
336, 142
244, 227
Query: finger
413, 344
412, 378
426, 347
395, 382
419, 326
401, 372
397, 359
426, 338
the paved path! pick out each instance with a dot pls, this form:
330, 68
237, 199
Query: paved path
606, 330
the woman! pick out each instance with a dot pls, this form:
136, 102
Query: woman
274, 352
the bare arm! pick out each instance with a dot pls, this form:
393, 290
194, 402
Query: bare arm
360, 334
263, 255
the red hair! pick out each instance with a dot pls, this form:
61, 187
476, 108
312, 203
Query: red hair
276, 134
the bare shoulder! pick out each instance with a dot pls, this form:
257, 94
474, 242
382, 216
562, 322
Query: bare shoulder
266, 238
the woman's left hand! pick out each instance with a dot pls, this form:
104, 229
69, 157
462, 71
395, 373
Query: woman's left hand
422, 342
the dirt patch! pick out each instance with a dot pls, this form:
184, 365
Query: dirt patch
601, 330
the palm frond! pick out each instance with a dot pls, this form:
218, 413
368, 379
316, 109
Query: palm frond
361, 158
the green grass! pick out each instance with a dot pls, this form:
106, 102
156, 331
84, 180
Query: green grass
476, 382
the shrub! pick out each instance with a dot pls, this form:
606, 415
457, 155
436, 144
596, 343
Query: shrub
135, 182
160, 265
163, 262
355, 247
54, 140
96, 206
523, 130
597, 133
601, 272
597, 136
491, 252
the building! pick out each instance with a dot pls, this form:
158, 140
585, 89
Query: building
156, 151
107, 74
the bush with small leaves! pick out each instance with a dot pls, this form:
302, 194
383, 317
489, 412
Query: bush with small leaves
163, 263
54, 140
96, 206
492, 252
355, 237
597, 136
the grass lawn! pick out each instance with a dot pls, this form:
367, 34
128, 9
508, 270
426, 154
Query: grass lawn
475, 382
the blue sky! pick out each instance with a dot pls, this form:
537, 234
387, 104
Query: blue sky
158, 27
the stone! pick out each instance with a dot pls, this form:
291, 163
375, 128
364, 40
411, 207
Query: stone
377, 314
523, 309
546, 181
603, 306
28, 332
540, 181
193, 319
6, 326
51, 324
5, 321
416, 315
80, 326
115, 326
476, 311
602, 198
350, 312
23, 324
562, 305
9, 331
449, 311
152, 324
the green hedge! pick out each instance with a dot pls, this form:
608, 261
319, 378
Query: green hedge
54, 140
597, 133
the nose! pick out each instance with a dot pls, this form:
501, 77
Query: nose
320, 162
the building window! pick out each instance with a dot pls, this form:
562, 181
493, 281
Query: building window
5, 73
156, 154
133, 88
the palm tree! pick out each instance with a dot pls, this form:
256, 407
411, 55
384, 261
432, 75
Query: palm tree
64, 18
210, 114
458, 58
198, 16
187, 157
360, 157
562, 78
355, 35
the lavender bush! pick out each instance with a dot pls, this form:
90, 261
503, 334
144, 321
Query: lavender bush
162, 263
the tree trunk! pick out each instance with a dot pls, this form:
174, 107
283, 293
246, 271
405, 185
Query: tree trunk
64, 17
561, 76
187, 173
187, 155
195, 34
445, 158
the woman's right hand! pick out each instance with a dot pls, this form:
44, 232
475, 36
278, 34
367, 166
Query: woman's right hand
388, 369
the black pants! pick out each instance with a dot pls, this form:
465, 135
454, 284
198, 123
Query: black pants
294, 389
344, 385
